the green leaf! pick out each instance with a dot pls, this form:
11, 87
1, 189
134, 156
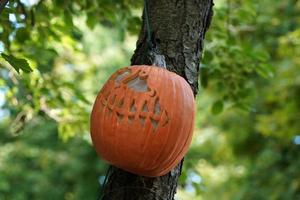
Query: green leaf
91, 20
17, 63
265, 70
134, 24
68, 18
208, 56
261, 55
22, 35
203, 76
217, 107
82, 97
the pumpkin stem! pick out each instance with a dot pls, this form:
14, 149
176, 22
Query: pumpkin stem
158, 60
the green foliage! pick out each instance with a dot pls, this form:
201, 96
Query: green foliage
39, 166
247, 111
250, 154
44, 120
233, 57
217, 107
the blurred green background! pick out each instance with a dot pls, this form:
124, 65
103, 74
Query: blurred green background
246, 143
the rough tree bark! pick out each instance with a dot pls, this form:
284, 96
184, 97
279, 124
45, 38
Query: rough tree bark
178, 29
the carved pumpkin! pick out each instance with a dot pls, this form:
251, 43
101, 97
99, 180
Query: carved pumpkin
142, 120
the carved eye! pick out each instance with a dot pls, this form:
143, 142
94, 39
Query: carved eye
138, 85
133, 81
121, 76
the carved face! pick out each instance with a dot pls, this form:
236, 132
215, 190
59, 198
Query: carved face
142, 120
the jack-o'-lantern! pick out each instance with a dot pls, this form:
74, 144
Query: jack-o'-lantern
142, 120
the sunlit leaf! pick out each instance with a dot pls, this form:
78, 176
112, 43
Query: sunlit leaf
217, 107
17, 63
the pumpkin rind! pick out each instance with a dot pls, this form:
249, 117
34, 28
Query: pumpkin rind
142, 120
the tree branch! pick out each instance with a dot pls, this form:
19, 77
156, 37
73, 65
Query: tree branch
2, 5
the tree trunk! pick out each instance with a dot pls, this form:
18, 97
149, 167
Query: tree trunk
178, 28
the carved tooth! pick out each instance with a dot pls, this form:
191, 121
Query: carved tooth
145, 107
154, 124
132, 106
119, 117
165, 119
142, 119
156, 107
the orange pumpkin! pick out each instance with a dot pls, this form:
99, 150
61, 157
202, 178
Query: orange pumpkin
142, 120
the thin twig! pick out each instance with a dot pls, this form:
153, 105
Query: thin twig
3, 4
